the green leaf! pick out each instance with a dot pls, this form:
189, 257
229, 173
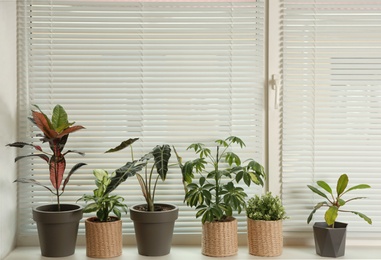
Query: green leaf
59, 119
342, 183
122, 145
221, 143
117, 212
92, 207
231, 158
318, 206
161, 155
236, 140
331, 215
121, 174
357, 187
325, 186
341, 202
366, 218
100, 174
317, 191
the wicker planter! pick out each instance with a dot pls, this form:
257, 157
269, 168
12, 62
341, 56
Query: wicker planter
103, 239
265, 238
220, 238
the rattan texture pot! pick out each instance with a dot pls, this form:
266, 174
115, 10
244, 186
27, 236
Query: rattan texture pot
220, 238
265, 238
103, 239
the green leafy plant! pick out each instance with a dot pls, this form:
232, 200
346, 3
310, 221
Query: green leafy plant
214, 193
147, 180
334, 203
55, 132
103, 202
265, 207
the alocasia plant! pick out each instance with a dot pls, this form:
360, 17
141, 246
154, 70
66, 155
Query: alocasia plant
147, 181
55, 132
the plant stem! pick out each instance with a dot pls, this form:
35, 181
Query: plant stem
153, 194
58, 201
57, 188
216, 178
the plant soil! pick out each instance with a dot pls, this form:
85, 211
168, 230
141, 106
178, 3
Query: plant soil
225, 219
160, 207
110, 219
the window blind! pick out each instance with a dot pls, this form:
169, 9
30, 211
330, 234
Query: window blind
165, 72
331, 107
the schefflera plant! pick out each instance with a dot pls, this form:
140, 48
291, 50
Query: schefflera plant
55, 132
215, 195
335, 202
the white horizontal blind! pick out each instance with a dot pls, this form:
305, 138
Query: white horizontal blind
165, 72
331, 107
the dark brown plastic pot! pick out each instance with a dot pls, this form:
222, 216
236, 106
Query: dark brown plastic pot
330, 242
57, 230
154, 229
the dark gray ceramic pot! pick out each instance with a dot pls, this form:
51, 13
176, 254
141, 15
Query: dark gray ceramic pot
330, 242
57, 230
154, 230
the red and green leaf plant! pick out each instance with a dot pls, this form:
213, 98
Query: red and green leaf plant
55, 132
335, 202
215, 195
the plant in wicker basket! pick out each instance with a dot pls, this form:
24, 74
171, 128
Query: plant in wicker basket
214, 193
104, 232
264, 220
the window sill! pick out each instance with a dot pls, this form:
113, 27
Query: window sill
194, 252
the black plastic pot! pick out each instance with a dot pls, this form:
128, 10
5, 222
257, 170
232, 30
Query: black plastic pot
57, 230
330, 242
154, 229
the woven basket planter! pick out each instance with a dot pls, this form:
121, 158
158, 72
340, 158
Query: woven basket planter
265, 238
220, 238
103, 239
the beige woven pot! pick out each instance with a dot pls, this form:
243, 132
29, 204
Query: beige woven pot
220, 238
265, 238
103, 239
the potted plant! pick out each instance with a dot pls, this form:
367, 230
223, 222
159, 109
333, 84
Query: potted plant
57, 224
264, 220
214, 193
153, 222
330, 235
104, 232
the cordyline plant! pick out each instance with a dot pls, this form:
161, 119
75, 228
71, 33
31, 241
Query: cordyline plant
334, 203
147, 181
214, 194
55, 132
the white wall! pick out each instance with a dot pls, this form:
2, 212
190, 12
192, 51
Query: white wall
8, 124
